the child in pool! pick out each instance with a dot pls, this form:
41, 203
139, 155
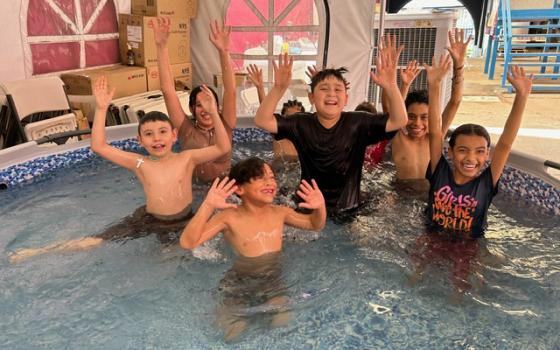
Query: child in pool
331, 143
375, 152
200, 132
254, 229
461, 192
165, 176
410, 146
283, 149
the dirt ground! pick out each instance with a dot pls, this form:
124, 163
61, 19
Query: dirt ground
485, 102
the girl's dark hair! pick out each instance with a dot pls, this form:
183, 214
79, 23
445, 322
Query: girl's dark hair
246, 170
417, 96
194, 93
329, 72
469, 129
292, 103
366, 107
152, 117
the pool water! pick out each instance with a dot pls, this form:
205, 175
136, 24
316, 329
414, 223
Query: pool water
349, 286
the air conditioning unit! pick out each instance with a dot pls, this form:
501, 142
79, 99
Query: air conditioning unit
424, 35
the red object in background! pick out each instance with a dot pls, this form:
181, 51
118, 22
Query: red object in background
54, 34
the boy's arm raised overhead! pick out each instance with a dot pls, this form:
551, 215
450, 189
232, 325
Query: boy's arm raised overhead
457, 50
436, 72
522, 84
161, 34
99, 144
282, 77
203, 226
219, 36
407, 78
256, 77
312, 199
386, 77
223, 143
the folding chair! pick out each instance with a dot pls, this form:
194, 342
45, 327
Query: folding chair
30, 101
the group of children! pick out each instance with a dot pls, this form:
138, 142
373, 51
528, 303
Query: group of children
329, 143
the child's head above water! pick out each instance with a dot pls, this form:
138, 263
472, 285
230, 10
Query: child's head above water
329, 93
156, 133
417, 108
469, 147
254, 179
292, 107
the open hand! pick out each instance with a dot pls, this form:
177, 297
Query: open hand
208, 101
437, 71
255, 75
311, 195
161, 30
219, 36
283, 71
386, 63
520, 81
458, 46
219, 192
409, 73
103, 97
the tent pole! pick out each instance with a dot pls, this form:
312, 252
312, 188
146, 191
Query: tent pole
382, 9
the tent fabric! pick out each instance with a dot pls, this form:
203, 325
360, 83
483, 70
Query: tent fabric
356, 23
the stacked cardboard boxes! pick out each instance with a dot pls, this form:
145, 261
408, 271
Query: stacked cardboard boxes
136, 35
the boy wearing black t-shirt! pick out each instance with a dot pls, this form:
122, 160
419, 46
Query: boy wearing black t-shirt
331, 143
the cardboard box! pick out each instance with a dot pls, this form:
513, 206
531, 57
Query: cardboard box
180, 71
136, 31
240, 79
127, 80
168, 8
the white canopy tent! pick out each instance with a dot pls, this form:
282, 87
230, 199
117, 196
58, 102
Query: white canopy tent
349, 40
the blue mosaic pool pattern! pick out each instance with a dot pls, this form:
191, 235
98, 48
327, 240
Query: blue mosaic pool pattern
525, 187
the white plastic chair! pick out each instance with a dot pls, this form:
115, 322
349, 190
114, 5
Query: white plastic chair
27, 97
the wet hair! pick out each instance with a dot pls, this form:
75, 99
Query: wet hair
292, 103
337, 73
246, 170
366, 107
153, 116
416, 96
469, 129
196, 91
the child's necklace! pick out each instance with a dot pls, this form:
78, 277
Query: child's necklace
154, 158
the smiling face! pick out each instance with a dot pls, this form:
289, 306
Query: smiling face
468, 155
261, 189
329, 97
157, 137
417, 126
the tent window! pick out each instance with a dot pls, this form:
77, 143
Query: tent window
69, 34
261, 29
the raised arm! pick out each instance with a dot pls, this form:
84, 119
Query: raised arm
457, 50
522, 84
223, 143
256, 77
436, 73
98, 140
202, 227
407, 78
312, 199
282, 77
386, 77
167, 85
219, 36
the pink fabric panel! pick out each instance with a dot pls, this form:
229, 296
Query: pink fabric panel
106, 22
101, 52
43, 21
55, 57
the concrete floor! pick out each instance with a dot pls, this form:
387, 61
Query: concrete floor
486, 103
